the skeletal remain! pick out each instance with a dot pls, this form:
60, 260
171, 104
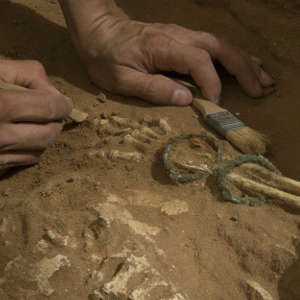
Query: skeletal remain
137, 134
253, 186
165, 127
104, 122
97, 153
203, 168
113, 131
148, 119
273, 179
56, 238
128, 139
78, 116
130, 156
125, 122
149, 132
204, 155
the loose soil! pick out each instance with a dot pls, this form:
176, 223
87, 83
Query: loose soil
78, 224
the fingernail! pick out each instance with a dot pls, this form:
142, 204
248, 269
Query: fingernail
181, 97
266, 79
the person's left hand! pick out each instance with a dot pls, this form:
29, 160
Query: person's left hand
126, 56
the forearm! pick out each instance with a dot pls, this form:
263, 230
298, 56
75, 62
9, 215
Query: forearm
92, 13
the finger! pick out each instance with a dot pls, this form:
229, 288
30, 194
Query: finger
257, 60
157, 89
268, 90
168, 55
238, 64
27, 73
265, 79
28, 137
33, 106
232, 58
11, 159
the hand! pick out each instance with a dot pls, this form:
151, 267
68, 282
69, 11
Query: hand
125, 57
29, 120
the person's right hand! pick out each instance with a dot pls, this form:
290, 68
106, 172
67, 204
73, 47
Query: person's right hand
29, 120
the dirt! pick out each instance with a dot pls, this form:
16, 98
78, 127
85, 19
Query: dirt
85, 226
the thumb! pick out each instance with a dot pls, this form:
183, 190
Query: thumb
156, 89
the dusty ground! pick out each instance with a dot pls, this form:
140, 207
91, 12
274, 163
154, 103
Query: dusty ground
80, 225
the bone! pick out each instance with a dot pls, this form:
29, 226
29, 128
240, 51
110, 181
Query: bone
111, 130
56, 238
149, 132
273, 179
129, 156
78, 116
253, 186
128, 139
165, 127
125, 122
202, 168
137, 134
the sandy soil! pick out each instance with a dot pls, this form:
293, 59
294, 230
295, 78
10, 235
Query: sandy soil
82, 226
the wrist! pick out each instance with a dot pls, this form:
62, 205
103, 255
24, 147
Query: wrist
85, 16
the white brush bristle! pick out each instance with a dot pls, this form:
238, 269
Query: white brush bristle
248, 140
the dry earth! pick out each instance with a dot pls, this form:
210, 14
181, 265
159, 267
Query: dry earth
81, 226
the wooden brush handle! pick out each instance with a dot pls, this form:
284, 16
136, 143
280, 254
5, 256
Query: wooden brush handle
206, 107
75, 115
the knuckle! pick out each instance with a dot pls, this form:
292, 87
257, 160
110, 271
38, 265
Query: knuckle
149, 88
208, 36
152, 38
168, 28
203, 56
48, 138
37, 69
47, 108
171, 28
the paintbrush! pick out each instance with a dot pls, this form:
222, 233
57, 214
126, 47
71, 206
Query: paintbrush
246, 139
75, 115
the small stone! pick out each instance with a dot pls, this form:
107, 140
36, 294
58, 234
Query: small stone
4, 194
96, 122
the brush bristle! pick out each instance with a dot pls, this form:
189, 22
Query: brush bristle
248, 140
